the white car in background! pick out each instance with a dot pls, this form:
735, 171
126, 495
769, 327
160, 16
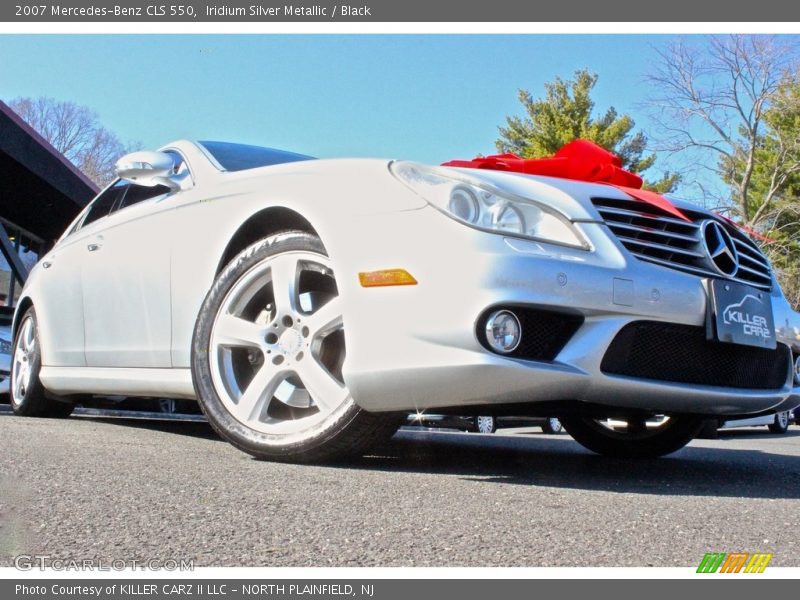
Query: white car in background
484, 423
310, 305
777, 423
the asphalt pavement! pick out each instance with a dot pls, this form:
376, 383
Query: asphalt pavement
107, 489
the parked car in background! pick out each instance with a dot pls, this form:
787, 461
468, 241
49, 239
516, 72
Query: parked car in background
777, 423
484, 423
310, 305
6, 349
121, 405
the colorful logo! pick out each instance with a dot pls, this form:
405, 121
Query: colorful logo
736, 562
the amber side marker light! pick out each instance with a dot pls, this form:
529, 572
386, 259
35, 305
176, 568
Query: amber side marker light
386, 278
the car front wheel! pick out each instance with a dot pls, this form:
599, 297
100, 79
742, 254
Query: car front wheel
28, 396
268, 352
636, 438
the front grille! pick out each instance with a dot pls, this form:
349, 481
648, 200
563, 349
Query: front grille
682, 354
544, 332
650, 234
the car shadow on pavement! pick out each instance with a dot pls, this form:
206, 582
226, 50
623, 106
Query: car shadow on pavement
560, 462
184, 427
704, 468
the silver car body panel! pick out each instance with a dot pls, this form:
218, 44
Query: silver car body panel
408, 348
162, 383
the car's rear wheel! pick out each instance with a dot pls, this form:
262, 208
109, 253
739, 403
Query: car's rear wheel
268, 352
635, 438
781, 423
28, 396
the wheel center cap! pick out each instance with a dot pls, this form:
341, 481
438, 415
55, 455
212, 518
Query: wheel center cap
290, 341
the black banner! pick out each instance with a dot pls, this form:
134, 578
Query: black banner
464, 11
374, 589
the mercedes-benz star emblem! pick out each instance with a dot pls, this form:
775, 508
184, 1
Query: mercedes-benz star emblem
720, 248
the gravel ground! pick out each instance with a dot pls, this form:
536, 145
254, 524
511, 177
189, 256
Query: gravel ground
126, 489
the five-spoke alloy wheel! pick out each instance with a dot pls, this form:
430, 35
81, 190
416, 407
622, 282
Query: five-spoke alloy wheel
268, 354
28, 396
24, 357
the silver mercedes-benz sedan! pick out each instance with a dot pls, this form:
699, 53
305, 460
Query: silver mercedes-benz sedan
310, 305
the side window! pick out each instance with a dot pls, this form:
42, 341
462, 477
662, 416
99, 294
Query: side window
139, 193
104, 203
180, 164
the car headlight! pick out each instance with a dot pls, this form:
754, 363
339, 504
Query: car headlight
481, 206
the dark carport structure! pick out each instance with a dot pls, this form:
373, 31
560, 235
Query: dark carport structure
40, 193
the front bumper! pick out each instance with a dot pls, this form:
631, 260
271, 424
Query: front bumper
416, 348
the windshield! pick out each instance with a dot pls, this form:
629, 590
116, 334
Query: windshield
238, 157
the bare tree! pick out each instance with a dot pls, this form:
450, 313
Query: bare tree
76, 132
715, 101
732, 107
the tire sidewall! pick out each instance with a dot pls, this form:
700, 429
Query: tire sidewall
258, 443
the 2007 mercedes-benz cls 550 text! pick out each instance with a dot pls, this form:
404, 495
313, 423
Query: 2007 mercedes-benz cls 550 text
310, 305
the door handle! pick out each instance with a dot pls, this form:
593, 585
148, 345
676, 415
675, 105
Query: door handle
94, 247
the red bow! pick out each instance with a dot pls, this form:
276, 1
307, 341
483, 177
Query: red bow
748, 230
581, 160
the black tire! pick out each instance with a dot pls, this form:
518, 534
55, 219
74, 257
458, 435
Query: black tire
349, 430
484, 424
780, 425
552, 426
33, 400
670, 437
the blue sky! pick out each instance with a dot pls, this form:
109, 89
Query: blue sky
428, 98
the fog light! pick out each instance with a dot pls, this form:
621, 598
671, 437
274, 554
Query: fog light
797, 370
503, 331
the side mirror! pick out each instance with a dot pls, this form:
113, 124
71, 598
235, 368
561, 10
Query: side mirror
148, 169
